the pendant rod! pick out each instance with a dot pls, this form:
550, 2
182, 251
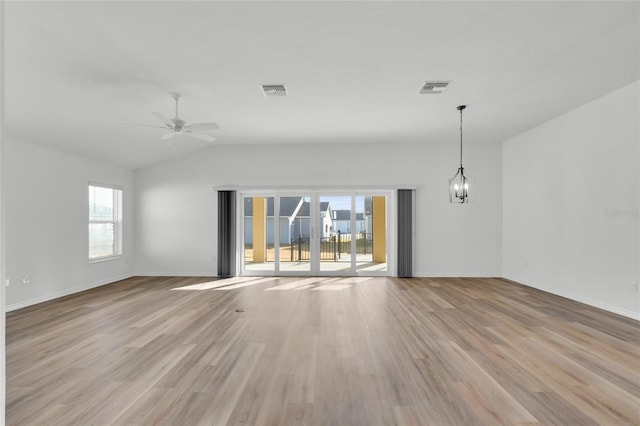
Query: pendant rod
460, 108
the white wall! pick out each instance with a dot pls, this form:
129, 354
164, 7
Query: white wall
45, 201
176, 225
2, 249
570, 200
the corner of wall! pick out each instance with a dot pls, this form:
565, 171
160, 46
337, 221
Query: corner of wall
577, 248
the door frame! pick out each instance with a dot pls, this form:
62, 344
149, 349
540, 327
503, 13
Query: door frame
315, 194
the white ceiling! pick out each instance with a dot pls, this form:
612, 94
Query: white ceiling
76, 72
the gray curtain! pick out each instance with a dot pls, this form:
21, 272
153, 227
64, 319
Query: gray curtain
226, 233
405, 232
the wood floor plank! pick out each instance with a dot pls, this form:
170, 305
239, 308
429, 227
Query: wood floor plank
320, 351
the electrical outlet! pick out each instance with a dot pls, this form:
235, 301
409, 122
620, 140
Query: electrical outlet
634, 286
25, 279
7, 282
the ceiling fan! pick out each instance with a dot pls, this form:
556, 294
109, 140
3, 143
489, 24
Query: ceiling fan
176, 125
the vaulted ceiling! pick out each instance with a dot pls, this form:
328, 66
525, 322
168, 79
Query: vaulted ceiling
77, 72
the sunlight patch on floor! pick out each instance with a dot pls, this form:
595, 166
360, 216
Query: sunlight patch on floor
310, 283
211, 285
299, 283
315, 283
304, 287
331, 287
354, 280
246, 284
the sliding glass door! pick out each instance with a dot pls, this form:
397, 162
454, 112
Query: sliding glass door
314, 233
295, 234
259, 230
334, 222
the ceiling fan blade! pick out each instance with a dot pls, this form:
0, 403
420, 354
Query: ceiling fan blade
167, 121
204, 126
168, 135
144, 125
203, 137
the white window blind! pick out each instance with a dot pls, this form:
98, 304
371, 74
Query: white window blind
105, 222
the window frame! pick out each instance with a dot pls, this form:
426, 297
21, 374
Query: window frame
116, 221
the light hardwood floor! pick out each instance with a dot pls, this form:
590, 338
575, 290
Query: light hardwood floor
315, 351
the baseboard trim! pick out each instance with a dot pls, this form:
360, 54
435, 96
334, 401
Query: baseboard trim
66, 292
453, 275
577, 298
176, 274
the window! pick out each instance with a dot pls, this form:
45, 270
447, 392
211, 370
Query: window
105, 222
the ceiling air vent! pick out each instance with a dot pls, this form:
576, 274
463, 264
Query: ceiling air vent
274, 89
434, 87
